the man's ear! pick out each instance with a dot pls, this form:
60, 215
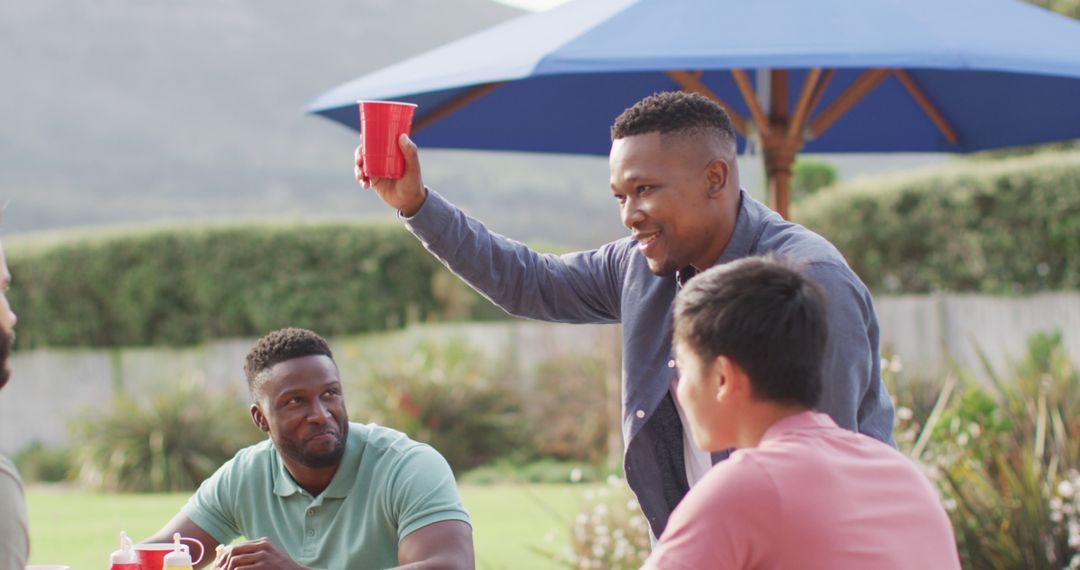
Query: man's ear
717, 175
730, 378
259, 418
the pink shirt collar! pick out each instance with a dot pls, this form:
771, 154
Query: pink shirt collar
796, 423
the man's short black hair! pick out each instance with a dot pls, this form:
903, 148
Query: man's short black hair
279, 346
673, 112
763, 315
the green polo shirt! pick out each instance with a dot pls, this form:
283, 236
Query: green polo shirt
386, 487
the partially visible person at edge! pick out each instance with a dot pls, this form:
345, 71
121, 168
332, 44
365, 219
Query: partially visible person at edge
675, 178
799, 491
322, 492
14, 528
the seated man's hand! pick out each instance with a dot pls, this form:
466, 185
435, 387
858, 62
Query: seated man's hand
253, 555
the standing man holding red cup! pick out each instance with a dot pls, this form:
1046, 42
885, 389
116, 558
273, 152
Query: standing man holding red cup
675, 178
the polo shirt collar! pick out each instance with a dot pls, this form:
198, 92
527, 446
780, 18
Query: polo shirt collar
747, 228
344, 478
743, 238
796, 423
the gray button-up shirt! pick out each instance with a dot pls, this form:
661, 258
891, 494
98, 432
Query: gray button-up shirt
613, 284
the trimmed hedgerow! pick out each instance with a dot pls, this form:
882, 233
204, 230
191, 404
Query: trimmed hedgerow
1005, 226
184, 286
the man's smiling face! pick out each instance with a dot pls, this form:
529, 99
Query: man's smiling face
668, 189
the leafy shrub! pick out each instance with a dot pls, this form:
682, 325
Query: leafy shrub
449, 396
1069, 8
1065, 510
568, 409
1010, 226
186, 285
1004, 459
609, 533
170, 443
41, 463
809, 176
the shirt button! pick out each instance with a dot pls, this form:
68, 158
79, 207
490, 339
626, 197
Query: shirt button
640, 414
311, 532
311, 512
671, 363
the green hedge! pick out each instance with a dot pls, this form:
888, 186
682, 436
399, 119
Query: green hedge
184, 286
1001, 226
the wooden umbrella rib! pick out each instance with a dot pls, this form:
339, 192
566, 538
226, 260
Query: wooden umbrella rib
852, 95
454, 104
819, 90
802, 108
924, 102
691, 82
747, 91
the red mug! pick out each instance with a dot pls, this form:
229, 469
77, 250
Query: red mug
152, 554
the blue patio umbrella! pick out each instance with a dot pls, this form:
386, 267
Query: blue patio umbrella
820, 76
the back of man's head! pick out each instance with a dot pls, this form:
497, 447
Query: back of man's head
280, 346
674, 112
764, 316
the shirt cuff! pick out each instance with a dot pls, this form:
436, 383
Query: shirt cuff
432, 218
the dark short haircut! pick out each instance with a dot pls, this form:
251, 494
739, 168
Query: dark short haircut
673, 112
763, 315
279, 346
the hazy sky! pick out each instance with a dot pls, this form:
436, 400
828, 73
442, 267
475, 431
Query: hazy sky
534, 5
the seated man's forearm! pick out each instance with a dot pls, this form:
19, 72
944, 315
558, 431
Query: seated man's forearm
445, 545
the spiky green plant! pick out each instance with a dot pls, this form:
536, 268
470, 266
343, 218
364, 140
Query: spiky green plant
999, 455
170, 442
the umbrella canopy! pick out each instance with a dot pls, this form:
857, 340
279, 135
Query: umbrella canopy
822, 76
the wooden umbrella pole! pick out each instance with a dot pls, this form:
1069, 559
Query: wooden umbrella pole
779, 153
779, 159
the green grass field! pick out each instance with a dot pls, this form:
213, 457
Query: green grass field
81, 529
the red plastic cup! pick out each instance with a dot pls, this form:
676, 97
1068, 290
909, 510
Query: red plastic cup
381, 125
152, 554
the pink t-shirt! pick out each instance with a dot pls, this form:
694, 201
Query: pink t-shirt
810, 496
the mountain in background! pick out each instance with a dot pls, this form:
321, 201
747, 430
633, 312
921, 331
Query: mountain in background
117, 112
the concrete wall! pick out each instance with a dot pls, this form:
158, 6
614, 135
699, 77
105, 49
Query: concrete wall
926, 330
50, 387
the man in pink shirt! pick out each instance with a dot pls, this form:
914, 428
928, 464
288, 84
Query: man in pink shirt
799, 492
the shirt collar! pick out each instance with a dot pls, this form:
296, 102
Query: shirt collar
797, 422
344, 478
743, 237
747, 228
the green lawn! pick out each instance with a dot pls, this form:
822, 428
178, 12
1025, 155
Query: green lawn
81, 529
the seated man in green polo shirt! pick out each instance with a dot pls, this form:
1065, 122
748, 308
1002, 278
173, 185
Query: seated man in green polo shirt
322, 492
